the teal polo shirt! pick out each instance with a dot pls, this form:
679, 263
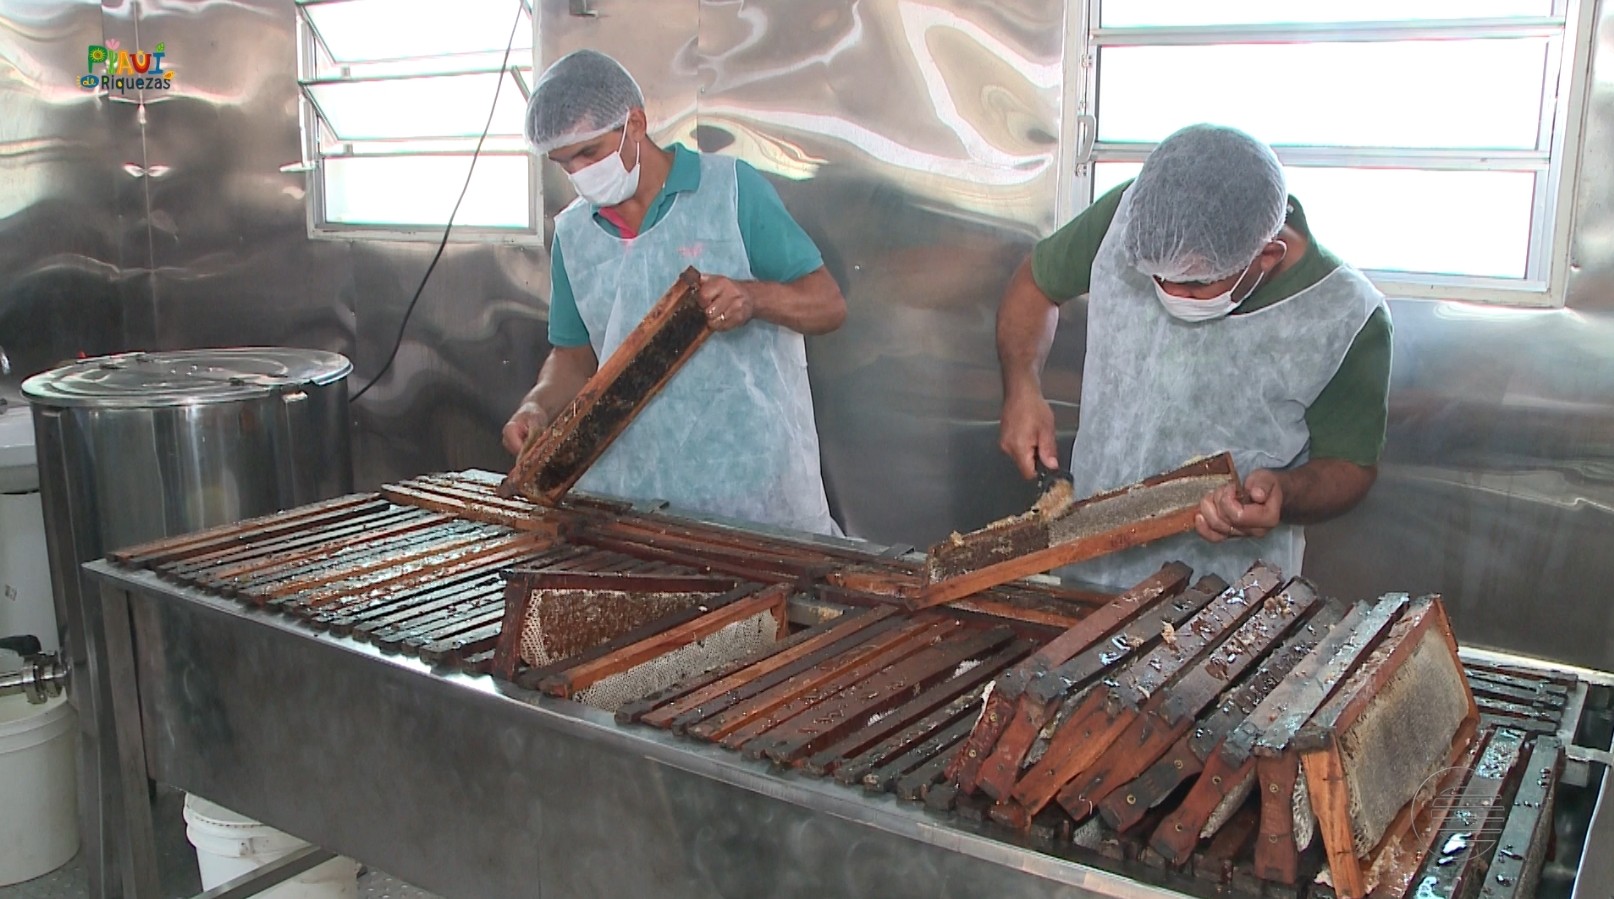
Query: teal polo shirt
778, 249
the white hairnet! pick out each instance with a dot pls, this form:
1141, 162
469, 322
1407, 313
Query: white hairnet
582, 96
1206, 201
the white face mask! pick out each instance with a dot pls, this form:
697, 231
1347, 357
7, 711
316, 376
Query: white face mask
1189, 309
607, 182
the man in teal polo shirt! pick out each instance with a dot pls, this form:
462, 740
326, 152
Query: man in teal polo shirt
1215, 322
732, 434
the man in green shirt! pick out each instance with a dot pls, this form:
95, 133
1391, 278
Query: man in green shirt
732, 434
1215, 322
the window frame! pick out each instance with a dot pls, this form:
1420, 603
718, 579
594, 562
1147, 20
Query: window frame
310, 121
1555, 160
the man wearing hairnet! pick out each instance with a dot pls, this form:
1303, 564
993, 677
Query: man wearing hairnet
732, 433
1215, 321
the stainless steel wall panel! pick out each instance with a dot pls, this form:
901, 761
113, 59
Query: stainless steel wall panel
124, 142
915, 141
62, 217
1591, 274
232, 262
1496, 489
472, 347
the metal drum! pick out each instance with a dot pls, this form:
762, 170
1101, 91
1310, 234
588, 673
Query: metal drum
138, 446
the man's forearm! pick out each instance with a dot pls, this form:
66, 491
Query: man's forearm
811, 304
1323, 488
560, 378
1027, 319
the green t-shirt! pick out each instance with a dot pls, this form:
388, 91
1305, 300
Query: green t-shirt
1349, 418
778, 249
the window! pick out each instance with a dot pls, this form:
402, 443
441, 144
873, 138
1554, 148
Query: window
1432, 142
396, 94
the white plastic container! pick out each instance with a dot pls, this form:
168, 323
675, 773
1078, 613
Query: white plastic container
26, 605
229, 845
38, 798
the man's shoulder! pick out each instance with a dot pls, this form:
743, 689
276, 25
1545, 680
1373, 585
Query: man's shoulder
717, 170
705, 160
578, 208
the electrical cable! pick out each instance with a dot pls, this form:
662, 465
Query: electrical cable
521, 7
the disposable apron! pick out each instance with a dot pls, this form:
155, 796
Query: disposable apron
732, 433
1157, 392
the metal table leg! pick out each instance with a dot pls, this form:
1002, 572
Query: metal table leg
99, 797
139, 846
73, 538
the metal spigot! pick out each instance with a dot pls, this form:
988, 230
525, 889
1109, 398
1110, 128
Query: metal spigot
42, 675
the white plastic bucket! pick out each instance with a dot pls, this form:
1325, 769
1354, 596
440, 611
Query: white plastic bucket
229, 845
26, 606
38, 798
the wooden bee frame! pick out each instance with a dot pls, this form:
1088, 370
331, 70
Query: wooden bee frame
557, 456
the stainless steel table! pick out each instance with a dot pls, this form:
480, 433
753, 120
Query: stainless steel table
471, 788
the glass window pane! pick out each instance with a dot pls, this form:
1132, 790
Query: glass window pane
329, 145
359, 30
1479, 94
1108, 174
1441, 222
1411, 220
1131, 13
441, 106
421, 190
430, 65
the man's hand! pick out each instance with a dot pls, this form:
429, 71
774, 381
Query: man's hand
1026, 322
1248, 510
728, 303
528, 420
1026, 432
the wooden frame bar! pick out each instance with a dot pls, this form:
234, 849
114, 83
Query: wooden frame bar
510, 549
172, 549
1273, 722
1126, 807
239, 557
370, 609
1107, 713
1170, 718
1527, 834
1042, 698
882, 693
713, 718
671, 711
1170, 580
492, 509
393, 551
762, 714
